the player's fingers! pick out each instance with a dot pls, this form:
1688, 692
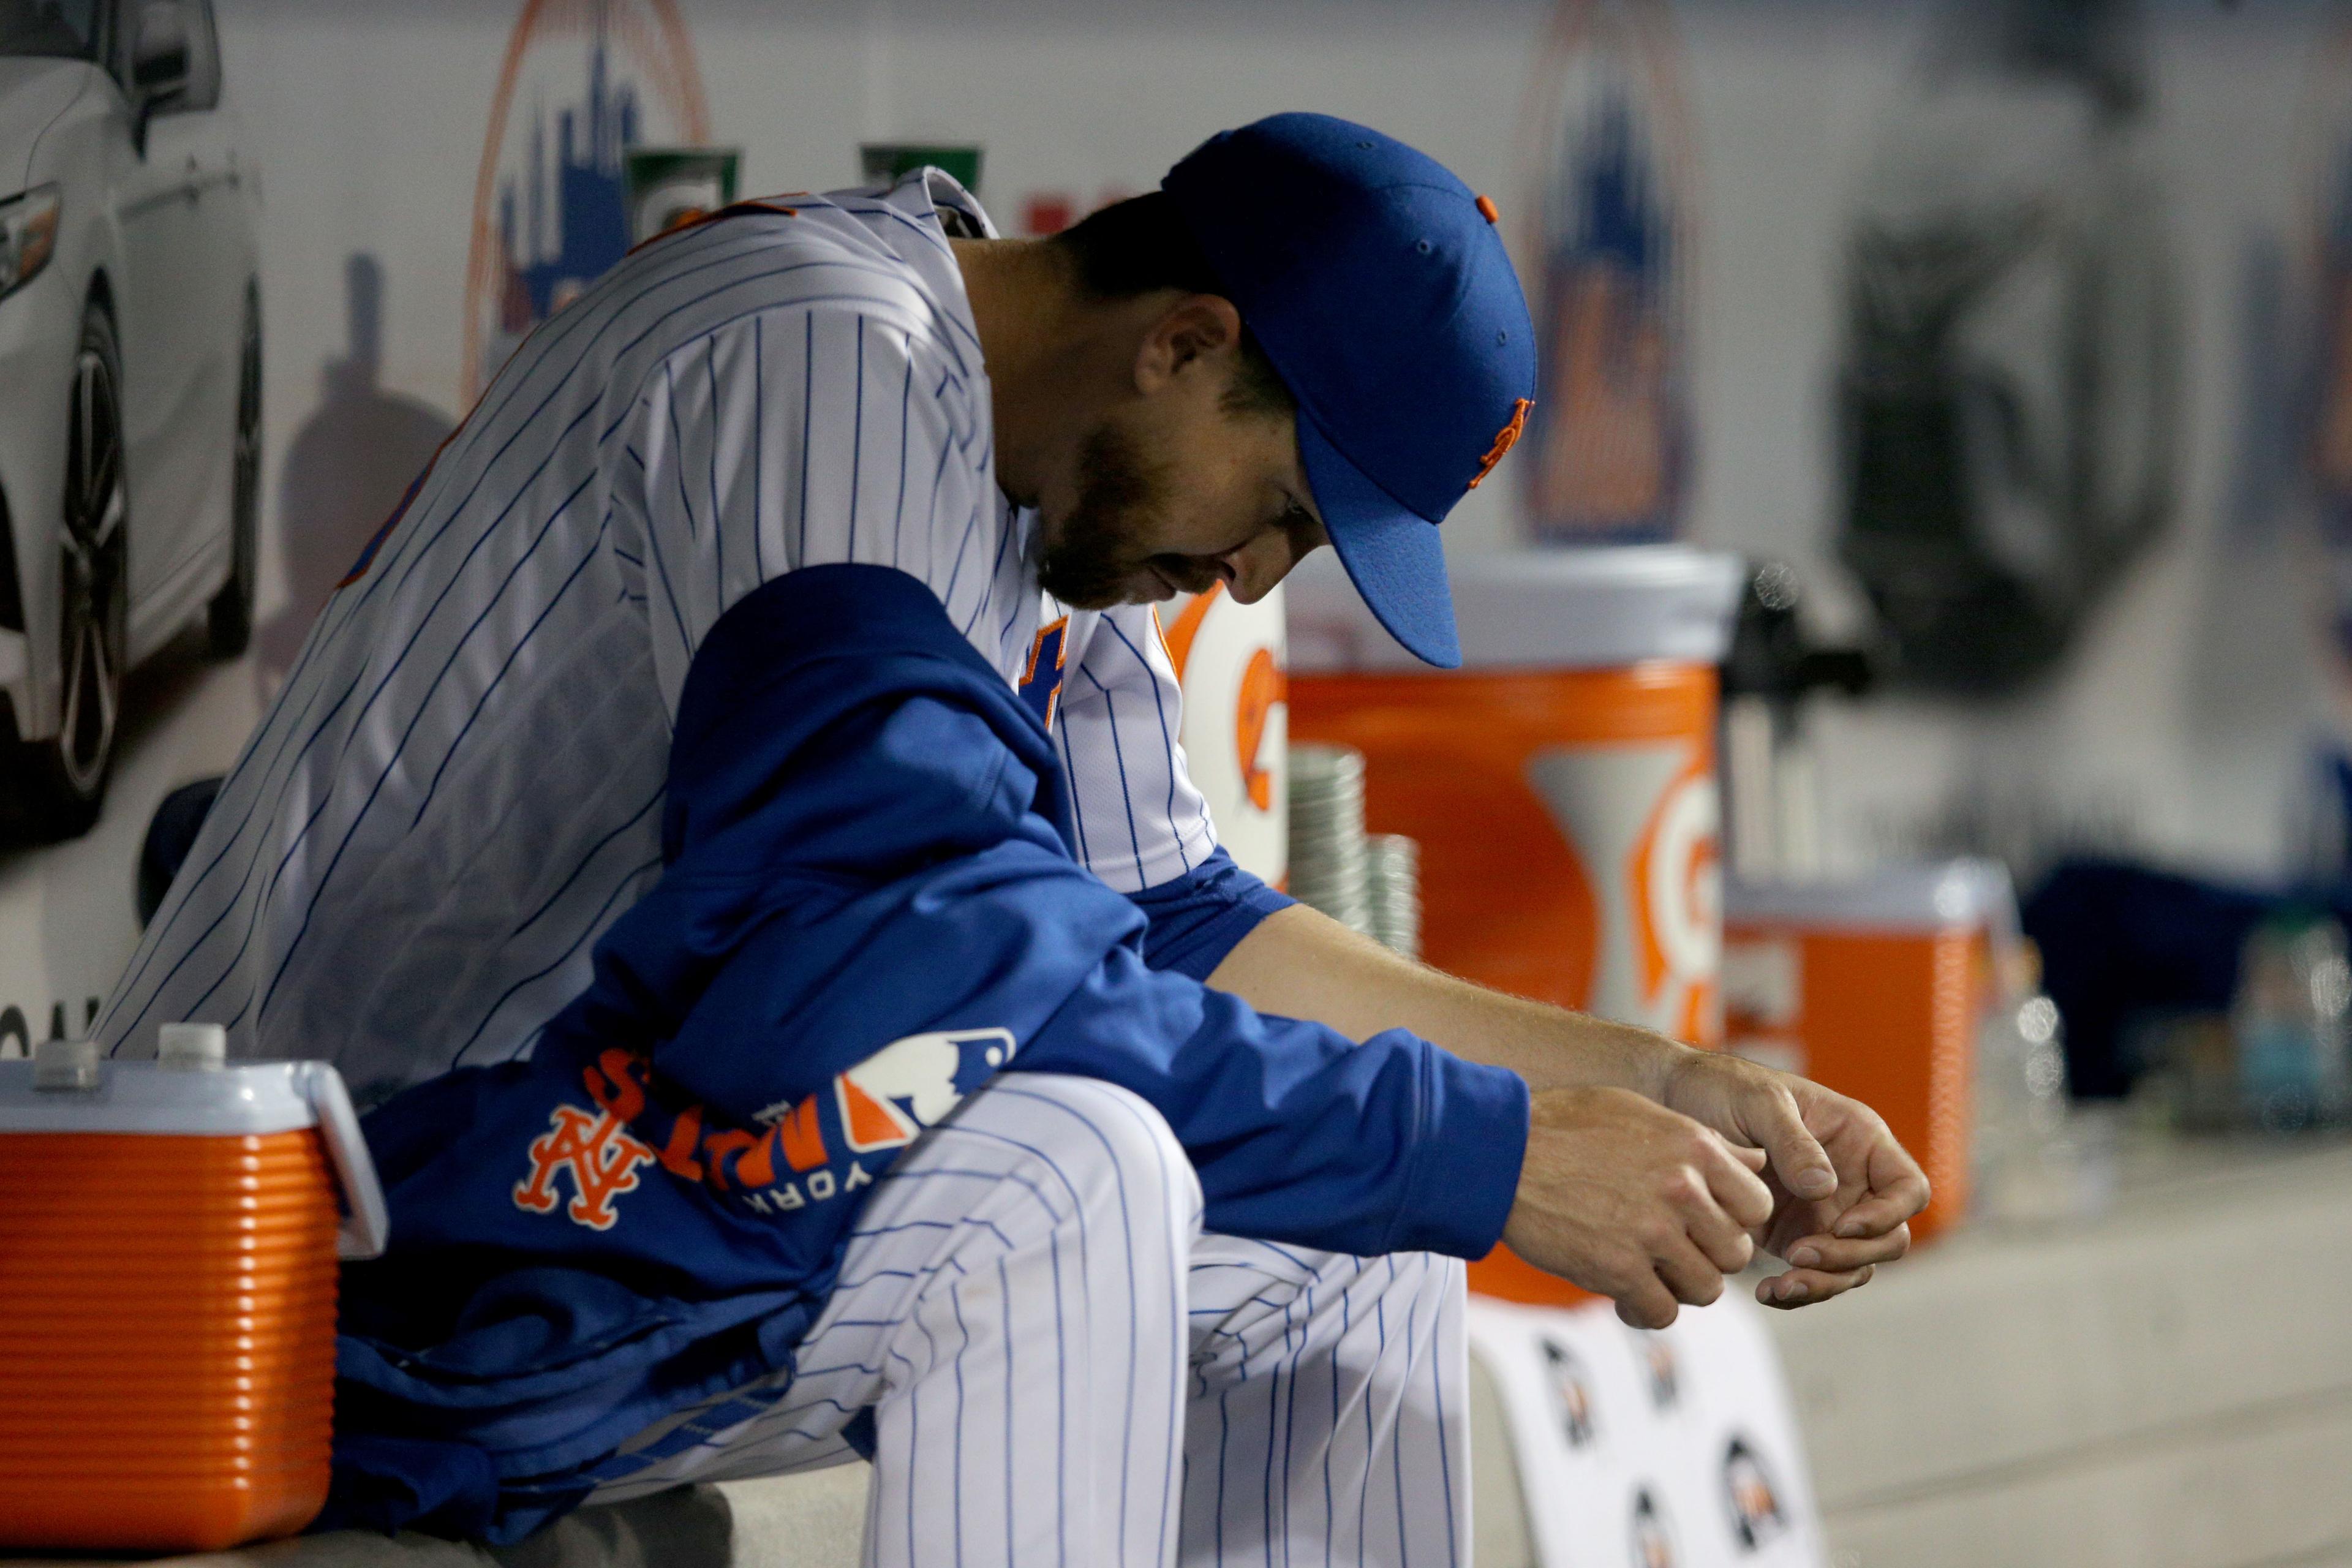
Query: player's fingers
1881, 1212
1721, 1239
1841, 1257
1803, 1287
1647, 1304
1798, 1157
1686, 1272
1730, 1183
1754, 1158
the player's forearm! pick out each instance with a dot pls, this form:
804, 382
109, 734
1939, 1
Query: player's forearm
1302, 965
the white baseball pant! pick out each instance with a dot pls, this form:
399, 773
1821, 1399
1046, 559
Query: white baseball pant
1063, 1368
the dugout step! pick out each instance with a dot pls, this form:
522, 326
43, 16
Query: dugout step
815, 1520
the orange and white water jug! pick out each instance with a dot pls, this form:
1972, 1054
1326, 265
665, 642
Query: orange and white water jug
1876, 986
1561, 783
1228, 656
169, 1236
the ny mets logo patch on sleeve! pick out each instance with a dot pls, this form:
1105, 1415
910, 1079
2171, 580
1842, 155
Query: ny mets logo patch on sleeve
1041, 679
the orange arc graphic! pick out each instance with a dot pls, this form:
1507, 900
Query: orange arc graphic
1179, 636
674, 76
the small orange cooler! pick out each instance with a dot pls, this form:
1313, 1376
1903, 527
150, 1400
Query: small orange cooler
1561, 783
169, 1232
1875, 987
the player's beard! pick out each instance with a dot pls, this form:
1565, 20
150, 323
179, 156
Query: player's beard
1095, 560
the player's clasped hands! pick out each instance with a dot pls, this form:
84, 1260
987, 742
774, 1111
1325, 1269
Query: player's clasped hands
1652, 1208
1635, 1202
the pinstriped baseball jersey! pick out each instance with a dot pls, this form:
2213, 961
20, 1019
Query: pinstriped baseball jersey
459, 788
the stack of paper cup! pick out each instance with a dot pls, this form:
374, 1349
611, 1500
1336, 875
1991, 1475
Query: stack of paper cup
1328, 869
1393, 891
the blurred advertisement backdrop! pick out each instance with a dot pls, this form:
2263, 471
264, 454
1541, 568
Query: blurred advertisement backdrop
434, 176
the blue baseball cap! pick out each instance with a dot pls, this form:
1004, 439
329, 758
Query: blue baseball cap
1379, 285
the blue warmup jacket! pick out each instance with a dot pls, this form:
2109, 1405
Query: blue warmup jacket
869, 906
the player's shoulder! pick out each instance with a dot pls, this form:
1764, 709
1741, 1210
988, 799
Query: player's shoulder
880, 253
779, 248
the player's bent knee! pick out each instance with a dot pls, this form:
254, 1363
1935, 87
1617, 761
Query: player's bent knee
1408, 1276
1108, 1141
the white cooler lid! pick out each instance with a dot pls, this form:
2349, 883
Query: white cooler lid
67, 1087
144, 1097
1599, 609
1940, 896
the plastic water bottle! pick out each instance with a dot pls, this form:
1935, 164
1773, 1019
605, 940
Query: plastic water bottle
2295, 986
2026, 1165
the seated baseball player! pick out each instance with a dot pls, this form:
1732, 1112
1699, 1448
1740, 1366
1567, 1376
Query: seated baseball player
729, 825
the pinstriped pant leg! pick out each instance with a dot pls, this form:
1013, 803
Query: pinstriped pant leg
1328, 1401
1033, 1411
1011, 1308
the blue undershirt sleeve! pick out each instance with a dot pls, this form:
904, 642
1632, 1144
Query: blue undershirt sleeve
1197, 918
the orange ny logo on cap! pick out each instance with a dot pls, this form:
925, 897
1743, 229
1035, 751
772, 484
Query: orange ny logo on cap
1505, 439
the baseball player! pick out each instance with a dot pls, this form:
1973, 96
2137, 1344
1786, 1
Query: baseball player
1138, 1306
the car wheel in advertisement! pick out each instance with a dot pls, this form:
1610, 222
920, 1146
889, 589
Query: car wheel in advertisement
64, 778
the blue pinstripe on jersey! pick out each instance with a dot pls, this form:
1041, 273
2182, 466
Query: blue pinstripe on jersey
505, 666
375, 791
1119, 755
1167, 732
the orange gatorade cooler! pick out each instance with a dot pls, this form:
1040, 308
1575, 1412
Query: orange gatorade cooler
168, 1243
1561, 783
1228, 656
1875, 988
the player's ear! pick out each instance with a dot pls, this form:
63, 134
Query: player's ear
1193, 333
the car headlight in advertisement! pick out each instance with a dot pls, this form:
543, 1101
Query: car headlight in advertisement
29, 236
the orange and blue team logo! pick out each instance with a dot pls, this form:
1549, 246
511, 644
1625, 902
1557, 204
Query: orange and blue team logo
793, 1155
551, 216
1606, 134
594, 1150
580, 83
1041, 678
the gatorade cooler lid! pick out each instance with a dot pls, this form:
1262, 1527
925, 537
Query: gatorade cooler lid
1945, 896
1598, 608
68, 1087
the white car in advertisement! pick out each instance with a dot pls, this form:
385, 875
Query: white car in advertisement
130, 377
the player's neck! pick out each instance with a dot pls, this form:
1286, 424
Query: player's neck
1022, 295
1049, 358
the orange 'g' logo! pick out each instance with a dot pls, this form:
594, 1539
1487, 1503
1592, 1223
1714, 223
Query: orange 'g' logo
1505, 439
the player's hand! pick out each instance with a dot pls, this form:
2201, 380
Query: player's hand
1633, 1201
1843, 1188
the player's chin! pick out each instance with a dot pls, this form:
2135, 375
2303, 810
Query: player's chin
1150, 586
1144, 584
1111, 598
